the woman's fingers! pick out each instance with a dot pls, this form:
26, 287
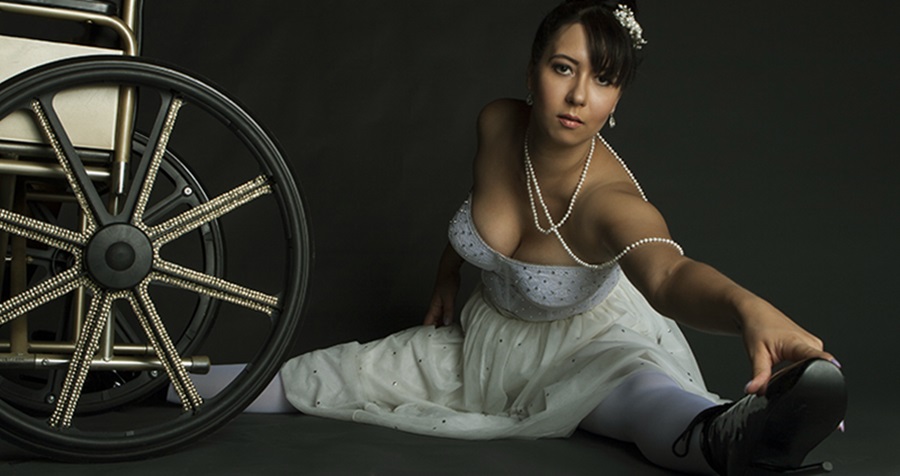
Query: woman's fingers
448, 313
763, 360
440, 312
435, 312
762, 370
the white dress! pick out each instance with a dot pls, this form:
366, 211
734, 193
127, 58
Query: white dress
537, 348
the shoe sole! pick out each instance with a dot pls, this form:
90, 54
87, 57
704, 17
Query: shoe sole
808, 406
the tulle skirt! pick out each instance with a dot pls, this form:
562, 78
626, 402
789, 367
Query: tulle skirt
494, 376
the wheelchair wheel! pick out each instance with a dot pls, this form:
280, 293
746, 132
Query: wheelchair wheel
105, 390
155, 306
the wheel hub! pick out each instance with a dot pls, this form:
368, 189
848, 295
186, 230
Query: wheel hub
119, 256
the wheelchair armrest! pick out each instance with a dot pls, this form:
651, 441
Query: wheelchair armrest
92, 6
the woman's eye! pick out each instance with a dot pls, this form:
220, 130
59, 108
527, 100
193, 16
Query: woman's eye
562, 68
602, 81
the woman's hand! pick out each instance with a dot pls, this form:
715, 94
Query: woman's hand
771, 337
441, 310
446, 286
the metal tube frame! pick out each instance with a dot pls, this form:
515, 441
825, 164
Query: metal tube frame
36, 355
124, 28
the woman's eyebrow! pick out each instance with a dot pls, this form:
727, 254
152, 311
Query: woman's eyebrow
565, 56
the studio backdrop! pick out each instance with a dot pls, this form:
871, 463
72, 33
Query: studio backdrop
763, 131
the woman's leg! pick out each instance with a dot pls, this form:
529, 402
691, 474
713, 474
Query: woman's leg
652, 411
271, 400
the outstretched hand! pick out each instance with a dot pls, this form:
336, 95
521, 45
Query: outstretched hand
770, 338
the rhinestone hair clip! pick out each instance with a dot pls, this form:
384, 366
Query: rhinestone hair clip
626, 18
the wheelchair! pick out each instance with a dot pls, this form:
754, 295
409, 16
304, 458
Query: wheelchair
122, 183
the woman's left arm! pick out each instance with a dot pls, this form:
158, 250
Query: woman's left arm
699, 296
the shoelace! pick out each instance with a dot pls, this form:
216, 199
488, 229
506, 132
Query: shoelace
704, 416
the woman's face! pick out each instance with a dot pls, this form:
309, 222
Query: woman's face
571, 101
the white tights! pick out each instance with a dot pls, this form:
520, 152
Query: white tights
648, 409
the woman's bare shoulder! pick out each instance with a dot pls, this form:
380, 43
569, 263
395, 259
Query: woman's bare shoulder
617, 201
501, 126
501, 117
618, 215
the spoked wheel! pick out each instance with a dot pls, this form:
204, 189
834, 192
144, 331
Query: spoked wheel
132, 257
107, 389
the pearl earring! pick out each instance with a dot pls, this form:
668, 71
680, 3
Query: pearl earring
529, 99
612, 120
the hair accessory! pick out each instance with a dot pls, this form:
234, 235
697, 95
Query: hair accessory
626, 17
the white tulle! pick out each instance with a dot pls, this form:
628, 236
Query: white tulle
494, 376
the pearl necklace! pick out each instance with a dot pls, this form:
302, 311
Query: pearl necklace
532, 182
554, 227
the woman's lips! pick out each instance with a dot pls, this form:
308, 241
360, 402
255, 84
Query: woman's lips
569, 121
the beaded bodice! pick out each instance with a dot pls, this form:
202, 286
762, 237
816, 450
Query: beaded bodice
529, 291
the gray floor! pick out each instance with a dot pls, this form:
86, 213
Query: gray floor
299, 444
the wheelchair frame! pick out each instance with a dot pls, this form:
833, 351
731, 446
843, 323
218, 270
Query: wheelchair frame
113, 254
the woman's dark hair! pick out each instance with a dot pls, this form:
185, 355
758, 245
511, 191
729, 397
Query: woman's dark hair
610, 45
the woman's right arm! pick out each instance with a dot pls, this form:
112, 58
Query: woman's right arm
446, 286
491, 121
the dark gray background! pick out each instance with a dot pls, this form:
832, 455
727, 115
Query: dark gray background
764, 131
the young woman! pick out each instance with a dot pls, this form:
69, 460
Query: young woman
574, 323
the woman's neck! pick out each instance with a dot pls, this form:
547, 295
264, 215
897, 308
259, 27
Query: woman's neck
552, 159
